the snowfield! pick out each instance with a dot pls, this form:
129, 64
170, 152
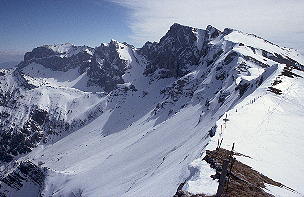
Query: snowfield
267, 127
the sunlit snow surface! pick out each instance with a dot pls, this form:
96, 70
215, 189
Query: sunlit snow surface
131, 162
268, 128
202, 183
280, 191
265, 126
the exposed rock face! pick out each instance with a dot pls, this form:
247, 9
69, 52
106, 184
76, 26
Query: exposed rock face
59, 60
25, 177
243, 180
39, 52
16, 140
175, 52
107, 68
179, 50
103, 64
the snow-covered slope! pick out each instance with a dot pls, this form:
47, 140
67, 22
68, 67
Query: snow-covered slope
268, 128
121, 121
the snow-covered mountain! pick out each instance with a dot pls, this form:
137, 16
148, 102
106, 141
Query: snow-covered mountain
116, 120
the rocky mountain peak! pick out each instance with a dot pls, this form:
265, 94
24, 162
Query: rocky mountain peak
113, 43
39, 52
173, 54
212, 31
228, 31
178, 34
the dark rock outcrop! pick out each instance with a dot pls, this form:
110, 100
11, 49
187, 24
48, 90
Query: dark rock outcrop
173, 54
57, 61
107, 68
177, 51
22, 173
16, 140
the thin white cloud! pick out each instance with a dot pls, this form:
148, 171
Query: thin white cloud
273, 19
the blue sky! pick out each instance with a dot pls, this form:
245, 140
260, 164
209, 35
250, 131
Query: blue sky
25, 24
29, 23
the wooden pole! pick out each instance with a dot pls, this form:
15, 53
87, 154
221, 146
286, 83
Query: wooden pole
220, 189
231, 161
